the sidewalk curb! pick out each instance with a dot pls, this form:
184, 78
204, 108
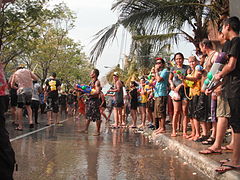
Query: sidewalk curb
202, 163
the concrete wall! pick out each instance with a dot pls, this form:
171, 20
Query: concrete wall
235, 8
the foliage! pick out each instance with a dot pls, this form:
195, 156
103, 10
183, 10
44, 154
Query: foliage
163, 17
38, 37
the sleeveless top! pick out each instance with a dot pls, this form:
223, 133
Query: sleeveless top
119, 96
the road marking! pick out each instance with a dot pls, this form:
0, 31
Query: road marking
32, 132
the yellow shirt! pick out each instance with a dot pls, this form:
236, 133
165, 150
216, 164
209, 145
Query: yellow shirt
195, 87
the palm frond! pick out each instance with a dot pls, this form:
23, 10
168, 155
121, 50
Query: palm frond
104, 35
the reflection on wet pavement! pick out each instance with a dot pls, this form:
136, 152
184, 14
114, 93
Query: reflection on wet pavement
64, 153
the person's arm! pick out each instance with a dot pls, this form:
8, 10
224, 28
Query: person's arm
170, 80
118, 87
13, 82
97, 88
102, 98
33, 76
157, 76
230, 66
195, 78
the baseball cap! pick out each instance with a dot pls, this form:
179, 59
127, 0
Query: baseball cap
115, 74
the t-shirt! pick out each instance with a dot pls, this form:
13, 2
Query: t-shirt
183, 69
52, 86
143, 97
233, 78
161, 87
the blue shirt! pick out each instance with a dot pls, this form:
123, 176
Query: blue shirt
161, 88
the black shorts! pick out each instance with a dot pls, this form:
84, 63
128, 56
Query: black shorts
203, 110
118, 104
192, 108
133, 105
52, 104
13, 98
234, 120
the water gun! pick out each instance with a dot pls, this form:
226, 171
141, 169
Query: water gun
188, 83
217, 66
177, 72
84, 88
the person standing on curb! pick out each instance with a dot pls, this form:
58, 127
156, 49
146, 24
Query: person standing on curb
231, 71
160, 94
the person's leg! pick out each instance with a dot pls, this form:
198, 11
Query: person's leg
98, 124
185, 116
150, 115
29, 111
197, 130
134, 117
177, 106
102, 110
204, 128
143, 115
14, 114
20, 118
49, 117
221, 129
192, 128
116, 117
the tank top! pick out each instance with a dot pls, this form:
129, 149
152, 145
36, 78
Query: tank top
119, 95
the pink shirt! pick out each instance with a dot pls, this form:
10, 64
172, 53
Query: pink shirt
23, 78
3, 82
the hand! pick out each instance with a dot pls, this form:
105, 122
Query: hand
217, 77
218, 90
172, 87
181, 77
208, 92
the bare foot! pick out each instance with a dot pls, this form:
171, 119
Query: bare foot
161, 131
174, 135
190, 136
83, 131
96, 134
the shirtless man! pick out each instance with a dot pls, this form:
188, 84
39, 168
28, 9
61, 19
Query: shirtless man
23, 78
93, 103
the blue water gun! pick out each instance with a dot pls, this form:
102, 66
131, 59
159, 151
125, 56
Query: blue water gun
84, 88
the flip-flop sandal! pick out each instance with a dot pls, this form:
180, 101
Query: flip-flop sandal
225, 167
18, 129
210, 151
224, 161
226, 148
209, 141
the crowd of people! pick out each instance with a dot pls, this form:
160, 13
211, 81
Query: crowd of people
179, 92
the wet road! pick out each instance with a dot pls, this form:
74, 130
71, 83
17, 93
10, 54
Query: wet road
63, 153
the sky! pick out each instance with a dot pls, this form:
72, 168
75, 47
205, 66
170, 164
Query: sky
94, 15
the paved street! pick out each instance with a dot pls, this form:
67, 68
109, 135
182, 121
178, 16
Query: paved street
62, 152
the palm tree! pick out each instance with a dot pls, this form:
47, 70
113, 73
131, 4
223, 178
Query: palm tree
163, 17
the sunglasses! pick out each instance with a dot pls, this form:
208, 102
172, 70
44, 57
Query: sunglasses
158, 62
